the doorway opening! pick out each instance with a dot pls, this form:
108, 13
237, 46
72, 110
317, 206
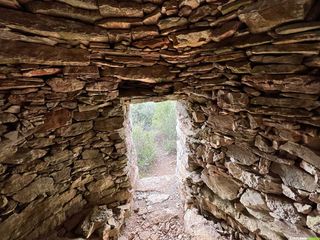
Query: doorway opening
154, 137
157, 205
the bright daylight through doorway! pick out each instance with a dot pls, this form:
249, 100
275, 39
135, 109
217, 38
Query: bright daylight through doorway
154, 137
158, 209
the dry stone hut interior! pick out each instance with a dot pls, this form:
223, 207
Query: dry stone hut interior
245, 73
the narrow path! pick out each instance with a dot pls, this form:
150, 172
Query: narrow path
165, 164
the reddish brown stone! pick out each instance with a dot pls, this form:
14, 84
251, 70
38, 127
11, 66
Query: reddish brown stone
120, 23
10, 3
85, 116
133, 60
149, 8
311, 36
9, 84
144, 31
83, 71
85, 4
270, 157
156, 73
65, 85
232, 101
198, 117
225, 31
191, 3
195, 38
297, 27
283, 112
202, 12
314, 12
112, 8
108, 124
34, 97
41, 72
129, 52
102, 86
224, 186
56, 119
264, 15
23, 156
294, 177
304, 49
63, 10
239, 67
252, 180
313, 62
158, 2
75, 129
152, 18
241, 154
289, 59
221, 20
52, 27
224, 57
152, 43
303, 152
171, 7
172, 22
17, 182
5, 34
185, 11
8, 118
250, 40
44, 211
278, 69
118, 35
222, 123
284, 83
233, 5
285, 102
15, 52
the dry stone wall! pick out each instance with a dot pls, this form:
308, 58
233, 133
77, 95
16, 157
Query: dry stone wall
248, 71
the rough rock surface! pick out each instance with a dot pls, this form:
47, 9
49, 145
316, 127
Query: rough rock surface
267, 14
157, 211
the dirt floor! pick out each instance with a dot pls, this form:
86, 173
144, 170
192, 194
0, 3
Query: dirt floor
158, 209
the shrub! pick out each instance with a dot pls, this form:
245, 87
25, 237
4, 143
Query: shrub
164, 122
142, 114
144, 145
171, 146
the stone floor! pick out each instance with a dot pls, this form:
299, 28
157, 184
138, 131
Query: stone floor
158, 211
